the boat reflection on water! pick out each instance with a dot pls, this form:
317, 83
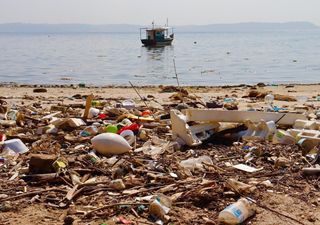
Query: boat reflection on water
157, 63
159, 53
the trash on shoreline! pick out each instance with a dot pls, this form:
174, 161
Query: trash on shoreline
121, 159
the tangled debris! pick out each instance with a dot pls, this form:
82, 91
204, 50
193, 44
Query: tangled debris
119, 161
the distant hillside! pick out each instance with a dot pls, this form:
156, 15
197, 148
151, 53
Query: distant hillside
64, 28
73, 28
246, 27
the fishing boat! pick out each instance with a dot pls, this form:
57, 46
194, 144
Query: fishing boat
157, 36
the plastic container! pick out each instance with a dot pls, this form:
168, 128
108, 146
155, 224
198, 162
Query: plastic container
128, 135
283, 137
89, 131
16, 145
160, 206
269, 99
93, 112
236, 213
112, 129
307, 145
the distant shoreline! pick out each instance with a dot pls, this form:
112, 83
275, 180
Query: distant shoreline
17, 85
122, 28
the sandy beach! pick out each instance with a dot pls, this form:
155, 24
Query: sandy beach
16, 92
291, 194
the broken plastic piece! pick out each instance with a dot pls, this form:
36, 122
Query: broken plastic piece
16, 145
191, 135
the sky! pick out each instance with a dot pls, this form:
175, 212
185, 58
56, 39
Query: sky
143, 12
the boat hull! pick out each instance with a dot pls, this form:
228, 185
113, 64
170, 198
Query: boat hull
151, 43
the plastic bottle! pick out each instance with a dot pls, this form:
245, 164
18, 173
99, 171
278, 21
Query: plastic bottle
283, 137
236, 213
268, 99
89, 131
160, 206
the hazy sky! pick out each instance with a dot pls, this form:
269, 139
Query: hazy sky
179, 12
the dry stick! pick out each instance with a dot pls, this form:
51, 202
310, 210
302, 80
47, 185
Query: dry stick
124, 203
138, 94
278, 213
116, 204
31, 193
175, 71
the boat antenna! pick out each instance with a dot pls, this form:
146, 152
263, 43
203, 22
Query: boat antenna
152, 24
167, 22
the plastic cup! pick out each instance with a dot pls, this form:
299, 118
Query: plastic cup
128, 135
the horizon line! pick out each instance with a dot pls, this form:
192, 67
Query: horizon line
128, 24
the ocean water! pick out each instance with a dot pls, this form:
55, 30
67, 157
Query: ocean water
201, 58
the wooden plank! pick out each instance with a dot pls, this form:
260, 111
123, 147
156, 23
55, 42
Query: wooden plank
241, 116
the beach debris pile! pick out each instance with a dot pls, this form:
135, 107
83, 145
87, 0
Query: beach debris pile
121, 161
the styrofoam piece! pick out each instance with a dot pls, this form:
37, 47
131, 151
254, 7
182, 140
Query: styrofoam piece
262, 131
241, 116
307, 134
72, 122
16, 145
306, 124
110, 143
191, 135
246, 168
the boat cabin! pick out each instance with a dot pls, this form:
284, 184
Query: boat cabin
159, 36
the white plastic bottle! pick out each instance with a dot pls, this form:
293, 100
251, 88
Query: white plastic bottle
236, 213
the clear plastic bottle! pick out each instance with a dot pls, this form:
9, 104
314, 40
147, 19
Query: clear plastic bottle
236, 213
268, 99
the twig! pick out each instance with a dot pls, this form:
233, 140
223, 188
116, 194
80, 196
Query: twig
278, 213
138, 94
265, 207
116, 204
30, 194
175, 71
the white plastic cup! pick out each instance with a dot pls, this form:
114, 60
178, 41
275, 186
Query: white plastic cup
93, 112
128, 135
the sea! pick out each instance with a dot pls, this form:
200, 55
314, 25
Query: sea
206, 59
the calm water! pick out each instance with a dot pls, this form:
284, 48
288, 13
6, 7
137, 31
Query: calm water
215, 58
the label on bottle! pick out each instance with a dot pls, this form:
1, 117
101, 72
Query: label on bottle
236, 212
